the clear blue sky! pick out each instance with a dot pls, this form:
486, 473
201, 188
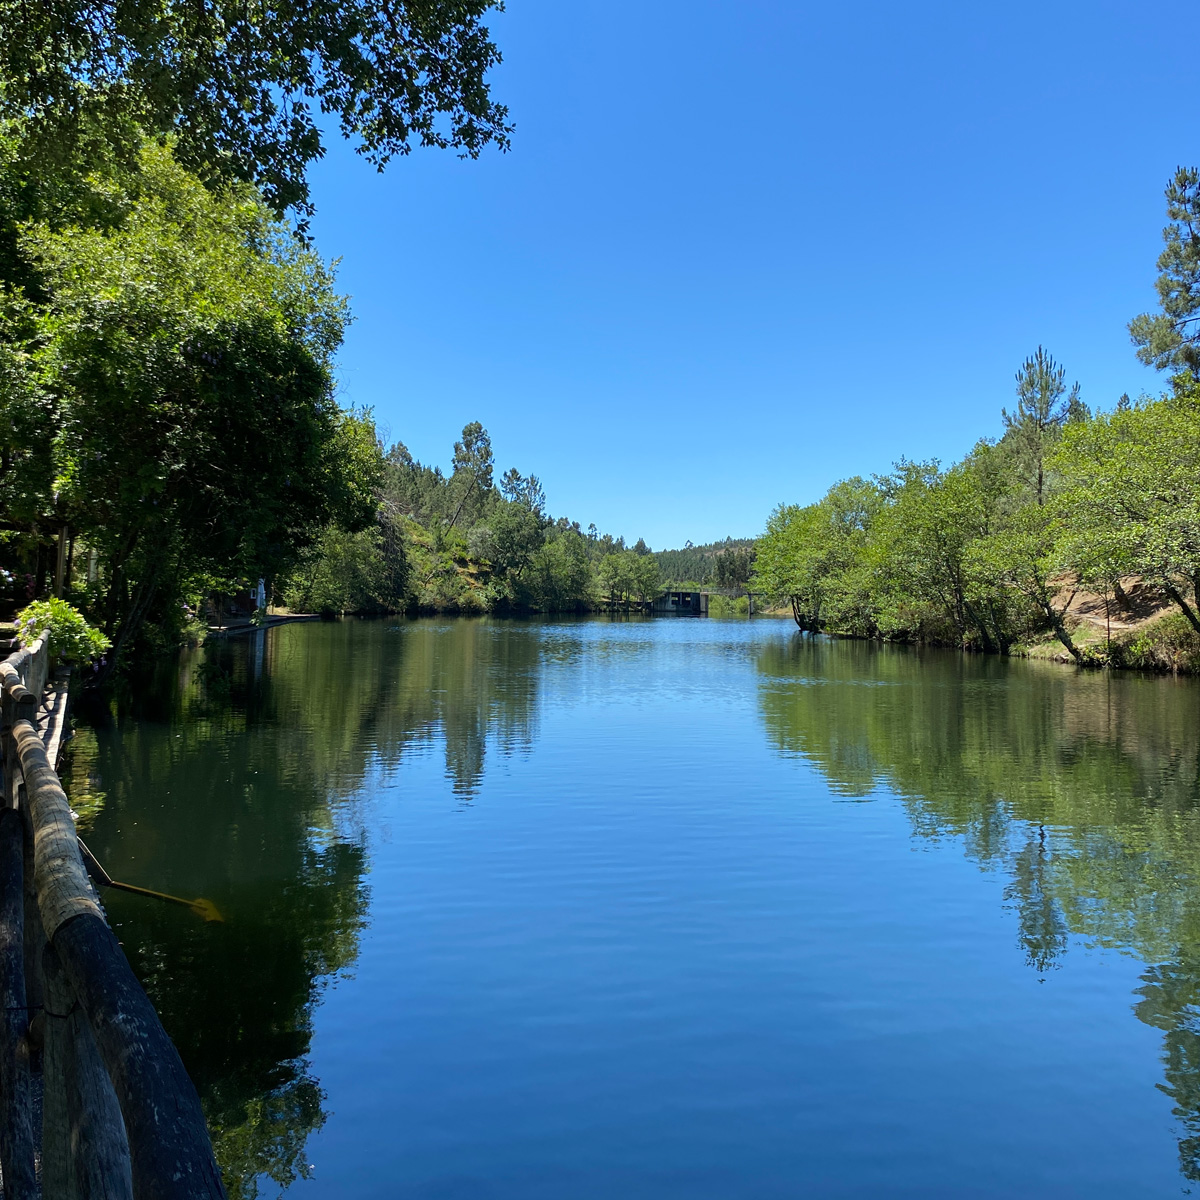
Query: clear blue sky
741, 250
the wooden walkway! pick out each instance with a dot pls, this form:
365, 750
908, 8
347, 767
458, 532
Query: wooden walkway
120, 1117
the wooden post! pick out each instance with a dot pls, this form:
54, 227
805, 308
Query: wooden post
8, 754
16, 1127
60, 565
84, 1145
169, 1149
19, 704
170, 1152
35, 937
58, 1178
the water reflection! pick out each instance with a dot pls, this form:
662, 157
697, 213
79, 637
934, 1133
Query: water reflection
1084, 789
236, 778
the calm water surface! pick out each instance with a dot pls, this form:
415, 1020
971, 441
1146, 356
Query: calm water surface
675, 908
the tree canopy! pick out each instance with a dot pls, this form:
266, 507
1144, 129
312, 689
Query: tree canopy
243, 88
170, 398
1170, 339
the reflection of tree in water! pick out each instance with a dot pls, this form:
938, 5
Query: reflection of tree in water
1171, 1002
236, 780
1042, 924
1084, 789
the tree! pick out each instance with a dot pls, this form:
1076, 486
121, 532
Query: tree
1170, 340
1132, 494
243, 88
788, 566
626, 576
525, 490
560, 576
643, 575
613, 579
926, 546
472, 477
734, 566
366, 571
1027, 554
1034, 427
182, 358
517, 533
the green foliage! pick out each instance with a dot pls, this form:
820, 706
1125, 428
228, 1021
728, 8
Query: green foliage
734, 566
816, 558
998, 548
627, 577
1033, 427
363, 572
177, 410
69, 636
243, 89
1131, 494
473, 545
560, 574
728, 606
1168, 644
1170, 340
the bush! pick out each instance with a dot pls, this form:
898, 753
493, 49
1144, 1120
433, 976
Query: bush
70, 638
1166, 644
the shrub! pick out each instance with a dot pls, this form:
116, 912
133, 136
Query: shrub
1166, 644
70, 637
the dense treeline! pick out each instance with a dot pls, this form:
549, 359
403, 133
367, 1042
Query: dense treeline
461, 542
999, 549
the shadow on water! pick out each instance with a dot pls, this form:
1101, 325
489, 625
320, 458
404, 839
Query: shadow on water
1082, 788
236, 776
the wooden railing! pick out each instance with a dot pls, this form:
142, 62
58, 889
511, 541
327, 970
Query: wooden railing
120, 1117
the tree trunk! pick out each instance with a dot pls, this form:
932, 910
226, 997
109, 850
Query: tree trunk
1060, 629
1178, 599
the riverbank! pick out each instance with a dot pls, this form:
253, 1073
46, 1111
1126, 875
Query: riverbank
1164, 643
229, 628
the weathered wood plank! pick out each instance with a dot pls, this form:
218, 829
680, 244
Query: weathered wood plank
169, 1148
170, 1152
58, 1176
93, 1138
16, 1129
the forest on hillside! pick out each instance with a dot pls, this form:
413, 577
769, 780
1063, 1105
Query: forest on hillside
467, 542
463, 542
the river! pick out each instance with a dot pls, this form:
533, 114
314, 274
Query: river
670, 908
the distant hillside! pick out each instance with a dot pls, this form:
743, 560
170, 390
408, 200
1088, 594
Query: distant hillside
727, 563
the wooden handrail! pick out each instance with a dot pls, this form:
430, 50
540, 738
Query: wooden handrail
170, 1151
121, 1118
16, 1126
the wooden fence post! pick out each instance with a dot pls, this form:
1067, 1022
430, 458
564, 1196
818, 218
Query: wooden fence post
16, 1126
34, 937
170, 1152
58, 1178
18, 703
84, 1147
